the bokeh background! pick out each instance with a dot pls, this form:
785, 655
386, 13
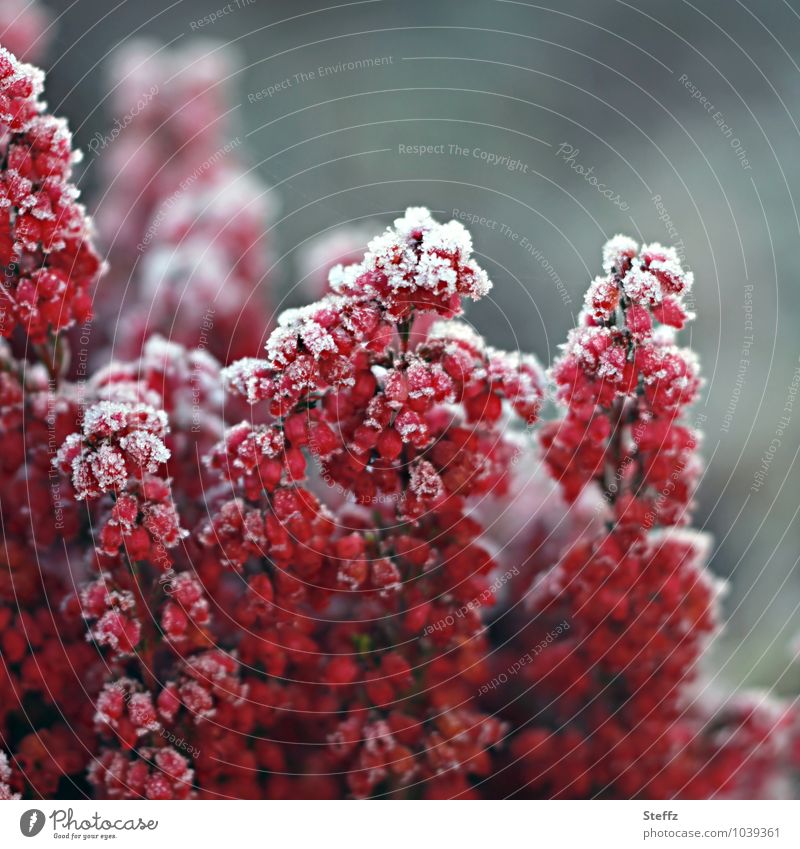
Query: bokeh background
687, 113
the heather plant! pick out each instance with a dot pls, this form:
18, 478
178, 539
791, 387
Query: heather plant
291, 574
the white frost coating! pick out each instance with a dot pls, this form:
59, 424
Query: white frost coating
317, 339
657, 249
341, 278
108, 467
145, 449
105, 416
666, 353
269, 441
22, 71
616, 247
642, 287
581, 342
425, 481
301, 321
5, 769
418, 252
512, 363
406, 429
248, 377
671, 266
601, 289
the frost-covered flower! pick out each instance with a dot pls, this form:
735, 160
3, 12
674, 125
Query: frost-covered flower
47, 257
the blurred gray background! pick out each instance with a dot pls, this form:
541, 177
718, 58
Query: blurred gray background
608, 86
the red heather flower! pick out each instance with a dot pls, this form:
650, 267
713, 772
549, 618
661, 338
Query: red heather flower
125, 712
609, 695
46, 254
418, 263
625, 384
120, 440
417, 432
157, 774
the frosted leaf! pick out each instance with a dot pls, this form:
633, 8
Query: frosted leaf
612, 364
415, 218
407, 426
670, 269
142, 713
22, 71
656, 252
585, 343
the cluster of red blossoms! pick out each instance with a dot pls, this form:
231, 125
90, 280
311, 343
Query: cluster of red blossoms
284, 578
47, 258
612, 707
